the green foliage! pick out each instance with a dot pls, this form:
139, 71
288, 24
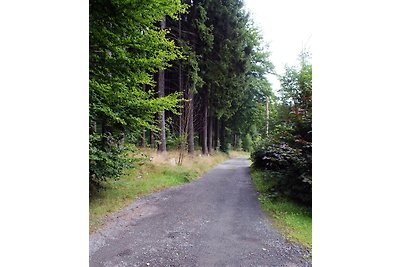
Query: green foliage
236, 61
126, 49
225, 63
287, 151
174, 140
107, 159
248, 143
291, 169
295, 220
247, 113
228, 148
239, 146
214, 50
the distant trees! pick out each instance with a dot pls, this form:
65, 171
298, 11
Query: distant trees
198, 64
287, 152
233, 71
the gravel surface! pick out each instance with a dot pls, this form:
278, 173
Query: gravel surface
214, 221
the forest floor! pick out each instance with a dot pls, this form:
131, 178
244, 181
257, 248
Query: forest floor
213, 221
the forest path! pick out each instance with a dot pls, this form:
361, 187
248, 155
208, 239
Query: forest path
214, 221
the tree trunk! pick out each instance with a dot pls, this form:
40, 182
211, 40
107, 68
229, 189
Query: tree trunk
210, 134
143, 139
180, 83
181, 110
161, 92
204, 148
222, 137
152, 145
216, 142
190, 125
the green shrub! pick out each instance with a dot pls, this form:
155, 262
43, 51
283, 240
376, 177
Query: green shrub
107, 159
248, 143
290, 168
174, 140
285, 154
239, 144
228, 147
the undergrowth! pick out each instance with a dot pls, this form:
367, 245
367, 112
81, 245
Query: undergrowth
294, 220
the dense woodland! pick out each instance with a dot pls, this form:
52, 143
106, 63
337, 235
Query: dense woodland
286, 152
190, 75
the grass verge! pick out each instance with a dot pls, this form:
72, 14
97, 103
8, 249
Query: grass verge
294, 220
153, 175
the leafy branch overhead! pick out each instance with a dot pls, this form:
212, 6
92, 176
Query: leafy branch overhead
126, 49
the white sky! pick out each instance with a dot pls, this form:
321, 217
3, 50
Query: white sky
286, 26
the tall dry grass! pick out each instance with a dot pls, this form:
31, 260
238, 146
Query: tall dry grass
196, 162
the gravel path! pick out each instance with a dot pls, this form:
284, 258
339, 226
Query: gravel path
214, 221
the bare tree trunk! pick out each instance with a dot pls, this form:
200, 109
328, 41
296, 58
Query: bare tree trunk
185, 137
180, 83
152, 145
210, 133
161, 92
143, 139
190, 125
217, 143
224, 147
181, 109
204, 135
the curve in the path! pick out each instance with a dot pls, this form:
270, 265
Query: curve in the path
214, 221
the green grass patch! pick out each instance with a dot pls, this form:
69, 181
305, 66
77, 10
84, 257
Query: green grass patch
294, 220
142, 180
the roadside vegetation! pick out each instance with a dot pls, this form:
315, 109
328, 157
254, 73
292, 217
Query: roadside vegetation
293, 219
282, 160
154, 172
